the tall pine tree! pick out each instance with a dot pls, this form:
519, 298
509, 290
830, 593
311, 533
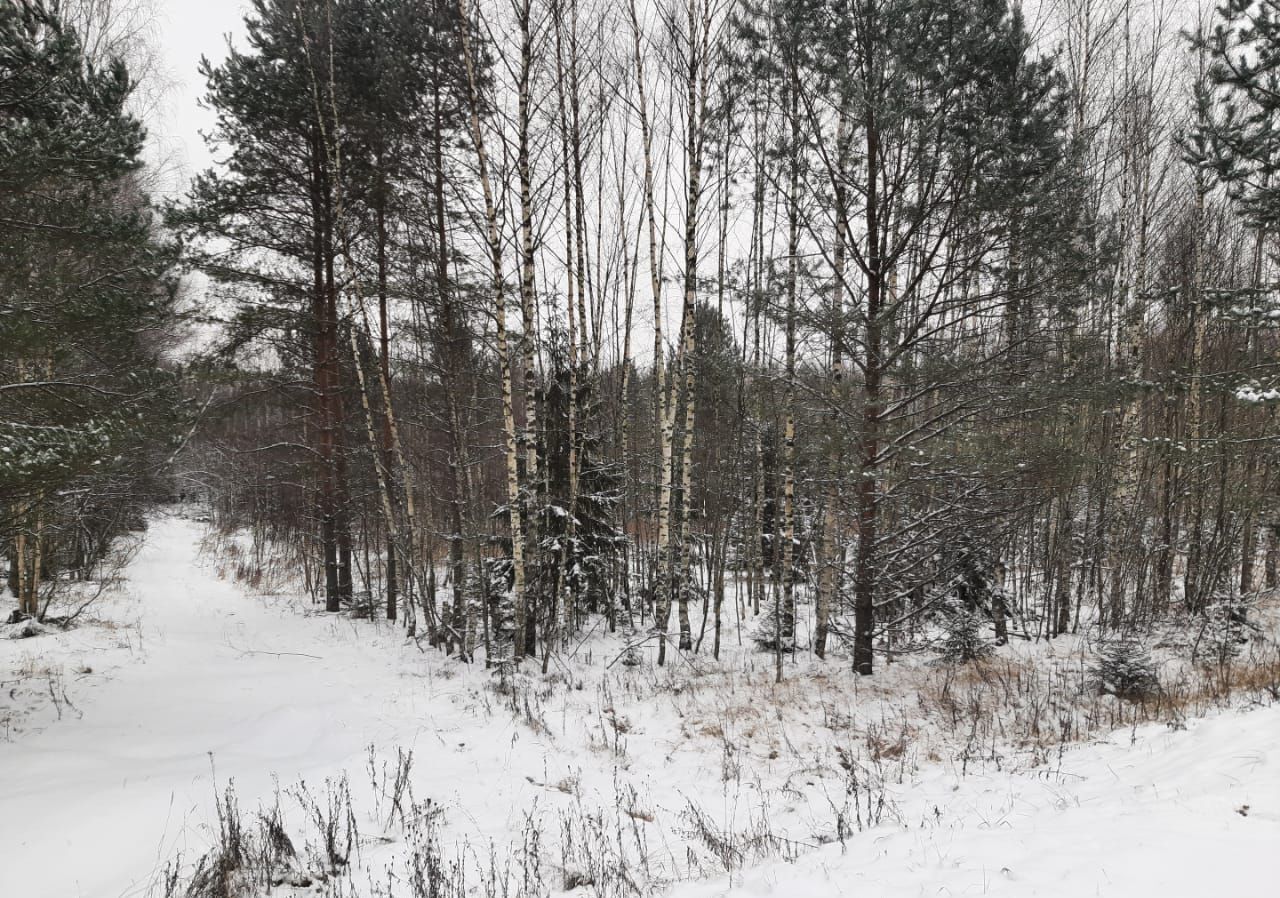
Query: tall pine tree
88, 298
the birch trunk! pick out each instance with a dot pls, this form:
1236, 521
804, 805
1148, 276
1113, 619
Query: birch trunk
655, 268
500, 314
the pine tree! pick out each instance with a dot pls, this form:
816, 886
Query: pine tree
316, 116
85, 404
1238, 105
950, 125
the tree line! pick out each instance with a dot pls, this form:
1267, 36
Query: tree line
808, 322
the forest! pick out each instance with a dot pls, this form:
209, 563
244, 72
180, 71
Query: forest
798, 344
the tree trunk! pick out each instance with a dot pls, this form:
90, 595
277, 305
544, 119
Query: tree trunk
504, 361
865, 572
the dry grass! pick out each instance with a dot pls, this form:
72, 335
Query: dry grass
1017, 710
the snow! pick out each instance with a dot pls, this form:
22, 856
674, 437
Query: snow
1152, 813
93, 807
213, 684
1254, 394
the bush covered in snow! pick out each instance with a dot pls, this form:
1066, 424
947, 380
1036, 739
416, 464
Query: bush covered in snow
966, 639
1125, 669
1225, 631
766, 629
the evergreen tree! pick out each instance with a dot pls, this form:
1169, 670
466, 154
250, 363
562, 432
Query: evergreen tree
579, 564
1237, 133
952, 129
88, 295
314, 117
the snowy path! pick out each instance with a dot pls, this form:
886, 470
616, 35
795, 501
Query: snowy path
94, 805
90, 807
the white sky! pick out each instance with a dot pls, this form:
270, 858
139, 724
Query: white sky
185, 31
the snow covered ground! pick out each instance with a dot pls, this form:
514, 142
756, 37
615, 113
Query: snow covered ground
1150, 813
91, 806
699, 779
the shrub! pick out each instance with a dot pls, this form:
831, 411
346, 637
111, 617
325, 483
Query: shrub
966, 639
1124, 669
1225, 631
766, 629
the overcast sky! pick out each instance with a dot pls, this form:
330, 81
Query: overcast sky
185, 31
